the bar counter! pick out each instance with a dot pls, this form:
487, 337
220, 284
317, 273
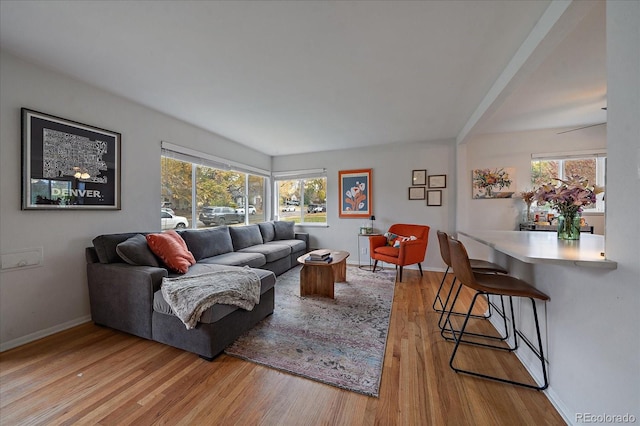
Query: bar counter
544, 247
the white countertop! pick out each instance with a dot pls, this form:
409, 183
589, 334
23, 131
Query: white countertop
544, 247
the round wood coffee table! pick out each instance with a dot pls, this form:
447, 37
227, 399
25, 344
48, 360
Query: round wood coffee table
319, 277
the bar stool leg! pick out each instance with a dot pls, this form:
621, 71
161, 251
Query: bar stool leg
451, 311
443, 305
537, 351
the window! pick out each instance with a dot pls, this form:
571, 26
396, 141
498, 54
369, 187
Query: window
592, 166
45, 191
301, 196
211, 191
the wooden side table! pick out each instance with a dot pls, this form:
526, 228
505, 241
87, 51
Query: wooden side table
319, 277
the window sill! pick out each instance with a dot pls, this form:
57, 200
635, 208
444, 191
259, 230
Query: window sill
312, 225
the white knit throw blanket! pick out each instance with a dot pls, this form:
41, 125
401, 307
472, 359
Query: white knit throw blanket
189, 296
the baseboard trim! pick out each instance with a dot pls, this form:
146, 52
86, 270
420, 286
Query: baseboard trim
413, 267
5, 346
536, 373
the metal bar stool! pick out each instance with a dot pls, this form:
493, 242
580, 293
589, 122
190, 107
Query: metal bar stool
500, 285
478, 265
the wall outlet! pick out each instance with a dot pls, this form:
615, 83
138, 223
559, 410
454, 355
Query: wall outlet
364, 250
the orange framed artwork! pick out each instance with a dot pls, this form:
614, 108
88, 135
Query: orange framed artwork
355, 192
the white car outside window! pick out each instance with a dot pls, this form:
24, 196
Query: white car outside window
171, 221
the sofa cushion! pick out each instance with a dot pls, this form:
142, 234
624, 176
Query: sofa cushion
237, 258
136, 251
268, 231
105, 246
217, 311
172, 249
208, 242
284, 230
271, 251
245, 236
296, 245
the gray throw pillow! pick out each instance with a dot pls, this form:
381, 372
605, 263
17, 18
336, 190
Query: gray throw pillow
245, 236
267, 231
208, 242
135, 251
284, 230
105, 246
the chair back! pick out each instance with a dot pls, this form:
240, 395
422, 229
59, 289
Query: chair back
421, 232
461, 264
443, 241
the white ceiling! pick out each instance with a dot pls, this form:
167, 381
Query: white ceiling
288, 77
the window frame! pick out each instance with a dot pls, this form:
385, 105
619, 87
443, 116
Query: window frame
302, 176
200, 159
600, 157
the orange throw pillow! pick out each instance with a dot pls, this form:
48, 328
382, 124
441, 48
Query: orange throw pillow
171, 248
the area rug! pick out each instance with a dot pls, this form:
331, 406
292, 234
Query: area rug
340, 342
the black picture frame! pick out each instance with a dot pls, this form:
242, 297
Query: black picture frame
418, 177
434, 197
416, 192
437, 181
68, 165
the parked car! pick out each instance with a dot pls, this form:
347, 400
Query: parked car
316, 208
289, 208
240, 210
168, 210
220, 216
172, 221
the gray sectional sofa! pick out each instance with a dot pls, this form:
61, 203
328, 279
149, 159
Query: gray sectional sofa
125, 277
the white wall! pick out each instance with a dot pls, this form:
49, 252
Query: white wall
37, 301
514, 150
392, 170
593, 315
593, 339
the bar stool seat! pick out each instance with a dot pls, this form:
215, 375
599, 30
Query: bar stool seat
493, 284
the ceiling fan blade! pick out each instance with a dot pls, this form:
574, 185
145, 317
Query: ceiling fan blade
580, 128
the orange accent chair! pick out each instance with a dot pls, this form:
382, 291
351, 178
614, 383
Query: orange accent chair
405, 253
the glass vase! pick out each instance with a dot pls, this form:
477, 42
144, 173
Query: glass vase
569, 227
529, 218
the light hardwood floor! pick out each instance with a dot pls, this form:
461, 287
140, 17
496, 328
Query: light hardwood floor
93, 375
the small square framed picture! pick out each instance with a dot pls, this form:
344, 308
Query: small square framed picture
416, 192
437, 181
419, 177
434, 197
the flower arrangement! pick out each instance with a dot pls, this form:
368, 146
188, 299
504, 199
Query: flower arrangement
528, 198
569, 196
488, 180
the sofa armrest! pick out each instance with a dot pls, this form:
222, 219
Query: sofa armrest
376, 241
304, 236
121, 295
91, 255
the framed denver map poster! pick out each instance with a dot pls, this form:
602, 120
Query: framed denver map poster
68, 165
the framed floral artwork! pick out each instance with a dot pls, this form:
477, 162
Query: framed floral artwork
493, 183
355, 193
